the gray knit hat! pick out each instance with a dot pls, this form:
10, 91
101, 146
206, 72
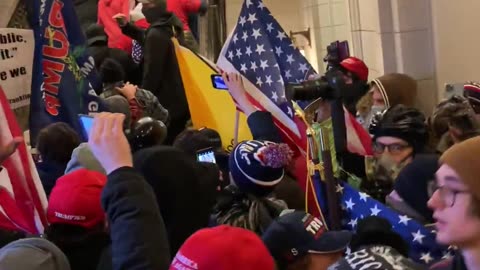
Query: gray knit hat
33, 254
83, 158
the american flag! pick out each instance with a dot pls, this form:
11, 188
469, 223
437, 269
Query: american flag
421, 239
137, 52
22, 198
260, 50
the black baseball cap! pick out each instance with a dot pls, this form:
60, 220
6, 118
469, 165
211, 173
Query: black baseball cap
295, 234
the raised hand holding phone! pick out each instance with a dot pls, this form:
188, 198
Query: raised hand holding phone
108, 142
236, 89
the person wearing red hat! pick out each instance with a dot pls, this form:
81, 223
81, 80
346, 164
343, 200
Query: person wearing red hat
355, 69
223, 248
77, 220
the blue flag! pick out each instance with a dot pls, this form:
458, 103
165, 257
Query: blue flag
421, 239
64, 75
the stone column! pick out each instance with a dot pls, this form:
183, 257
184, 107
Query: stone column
328, 21
396, 36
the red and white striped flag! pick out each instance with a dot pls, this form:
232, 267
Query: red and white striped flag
22, 198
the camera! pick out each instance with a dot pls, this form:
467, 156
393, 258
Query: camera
325, 86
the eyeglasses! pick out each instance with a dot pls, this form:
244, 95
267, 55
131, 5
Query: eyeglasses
394, 148
447, 195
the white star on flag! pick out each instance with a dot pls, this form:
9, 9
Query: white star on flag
426, 257
270, 27
290, 112
274, 96
350, 204
249, 3
242, 21
245, 36
261, 5
375, 210
404, 220
254, 66
339, 189
303, 68
268, 80
256, 33
259, 81
243, 67
353, 222
235, 38
260, 49
281, 35
252, 18
288, 74
363, 196
278, 51
230, 55
290, 59
239, 53
264, 64
248, 51
418, 237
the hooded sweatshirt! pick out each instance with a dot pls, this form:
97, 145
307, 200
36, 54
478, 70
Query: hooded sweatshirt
395, 89
33, 254
185, 190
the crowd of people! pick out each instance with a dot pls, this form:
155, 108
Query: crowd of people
135, 195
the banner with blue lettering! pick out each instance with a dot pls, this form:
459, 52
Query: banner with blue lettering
64, 75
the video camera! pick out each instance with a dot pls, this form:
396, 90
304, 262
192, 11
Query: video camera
323, 87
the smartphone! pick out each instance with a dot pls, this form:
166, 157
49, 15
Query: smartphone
218, 82
87, 122
206, 155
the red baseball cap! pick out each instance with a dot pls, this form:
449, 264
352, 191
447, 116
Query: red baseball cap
357, 67
75, 199
223, 248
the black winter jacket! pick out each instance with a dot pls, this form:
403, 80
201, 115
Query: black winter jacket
161, 73
139, 239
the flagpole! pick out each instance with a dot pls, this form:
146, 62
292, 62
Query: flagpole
236, 128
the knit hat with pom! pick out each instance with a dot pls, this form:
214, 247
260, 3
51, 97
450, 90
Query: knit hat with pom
257, 166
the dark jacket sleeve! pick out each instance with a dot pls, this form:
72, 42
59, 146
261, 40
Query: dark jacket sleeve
134, 32
139, 238
262, 127
155, 56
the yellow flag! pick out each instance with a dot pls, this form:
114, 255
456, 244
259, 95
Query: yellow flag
209, 107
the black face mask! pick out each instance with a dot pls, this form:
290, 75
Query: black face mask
152, 14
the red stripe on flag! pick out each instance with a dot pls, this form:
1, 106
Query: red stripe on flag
26, 193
